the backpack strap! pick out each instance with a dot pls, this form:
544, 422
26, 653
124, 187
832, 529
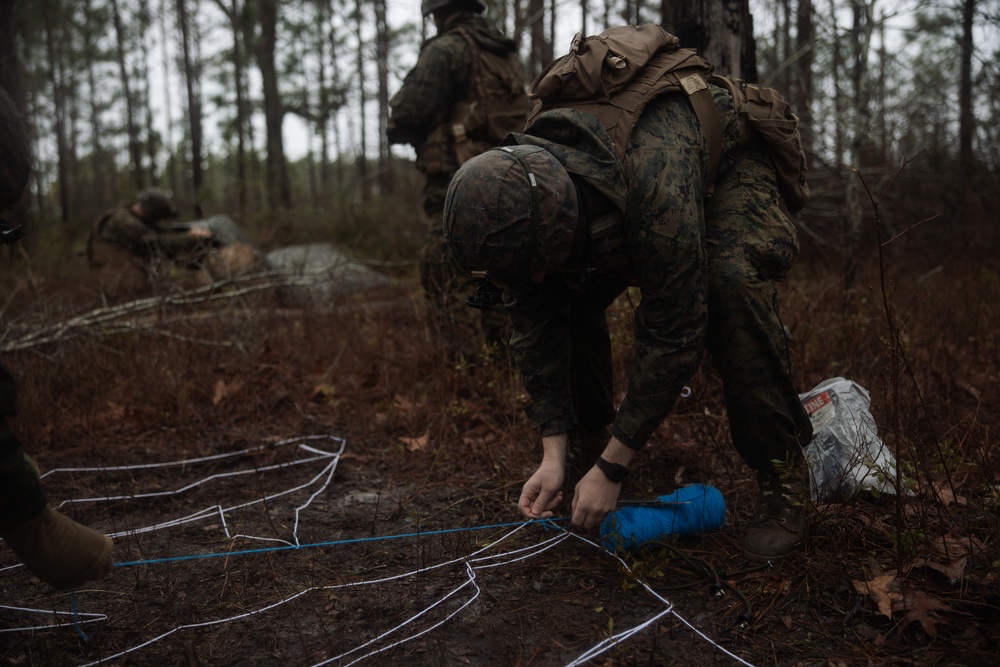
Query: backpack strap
696, 87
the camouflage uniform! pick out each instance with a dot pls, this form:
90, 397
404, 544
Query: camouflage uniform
127, 254
121, 227
21, 495
706, 271
422, 107
60, 551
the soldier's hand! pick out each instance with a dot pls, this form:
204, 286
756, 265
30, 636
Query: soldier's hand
541, 493
594, 497
201, 232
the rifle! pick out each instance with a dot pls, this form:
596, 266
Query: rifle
188, 226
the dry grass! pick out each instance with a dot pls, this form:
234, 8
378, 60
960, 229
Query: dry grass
434, 446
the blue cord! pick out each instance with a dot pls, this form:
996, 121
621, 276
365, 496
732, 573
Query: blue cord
292, 547
76, 616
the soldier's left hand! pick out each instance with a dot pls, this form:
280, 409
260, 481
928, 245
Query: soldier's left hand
595, 496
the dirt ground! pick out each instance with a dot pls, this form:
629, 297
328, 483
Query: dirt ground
326, 488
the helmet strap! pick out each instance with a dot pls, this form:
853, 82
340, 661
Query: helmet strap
532, 188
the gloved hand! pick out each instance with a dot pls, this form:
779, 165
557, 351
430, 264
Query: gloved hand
60, 551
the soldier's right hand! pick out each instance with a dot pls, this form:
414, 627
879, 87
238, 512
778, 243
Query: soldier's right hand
541, 494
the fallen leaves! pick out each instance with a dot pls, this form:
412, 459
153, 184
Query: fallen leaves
954, 570
891, 596
416, 444
224, 390
883, 590
923, 608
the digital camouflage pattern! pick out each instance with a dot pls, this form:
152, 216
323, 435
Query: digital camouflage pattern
60, 551
495, 211
128, 256
16, 165
123, 228
421, 113
705, 271
21, 495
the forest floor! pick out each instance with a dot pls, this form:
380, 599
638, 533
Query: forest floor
312, 487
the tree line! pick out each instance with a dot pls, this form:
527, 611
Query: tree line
193, 95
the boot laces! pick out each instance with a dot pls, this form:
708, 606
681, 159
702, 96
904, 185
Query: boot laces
777, 499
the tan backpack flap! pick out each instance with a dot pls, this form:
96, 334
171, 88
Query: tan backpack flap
475, 129
495, 106
597, 66
768, 115
502, 122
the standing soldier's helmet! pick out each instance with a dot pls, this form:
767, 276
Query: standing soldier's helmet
15, 163
511, 212
429, 6
157, 204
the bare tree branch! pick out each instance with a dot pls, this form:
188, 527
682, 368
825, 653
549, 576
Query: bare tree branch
124, 317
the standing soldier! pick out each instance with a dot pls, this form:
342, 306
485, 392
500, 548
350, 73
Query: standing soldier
60, 551
463, 96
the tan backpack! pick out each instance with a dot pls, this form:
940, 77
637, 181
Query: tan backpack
494, 106
766, 113
498, 105
615, 74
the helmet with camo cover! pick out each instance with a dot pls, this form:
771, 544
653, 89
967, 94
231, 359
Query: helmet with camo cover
15, 164
157, 204
431, 6
511, 213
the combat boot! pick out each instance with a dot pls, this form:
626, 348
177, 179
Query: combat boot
778, 525
58, 550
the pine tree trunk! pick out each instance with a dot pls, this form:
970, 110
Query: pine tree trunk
134, 147
323, 122
362, 161
801, 91
192, 81
862, 27
232, 12
99, 184
152, 148
538, 56
721, 31
168, 120
10, 80
278, 192
966, 118
382, 60
59, 112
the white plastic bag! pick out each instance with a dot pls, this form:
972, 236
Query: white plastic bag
845, 454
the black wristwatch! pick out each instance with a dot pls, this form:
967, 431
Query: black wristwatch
615, 472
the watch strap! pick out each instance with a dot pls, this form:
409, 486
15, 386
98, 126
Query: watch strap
615, 472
